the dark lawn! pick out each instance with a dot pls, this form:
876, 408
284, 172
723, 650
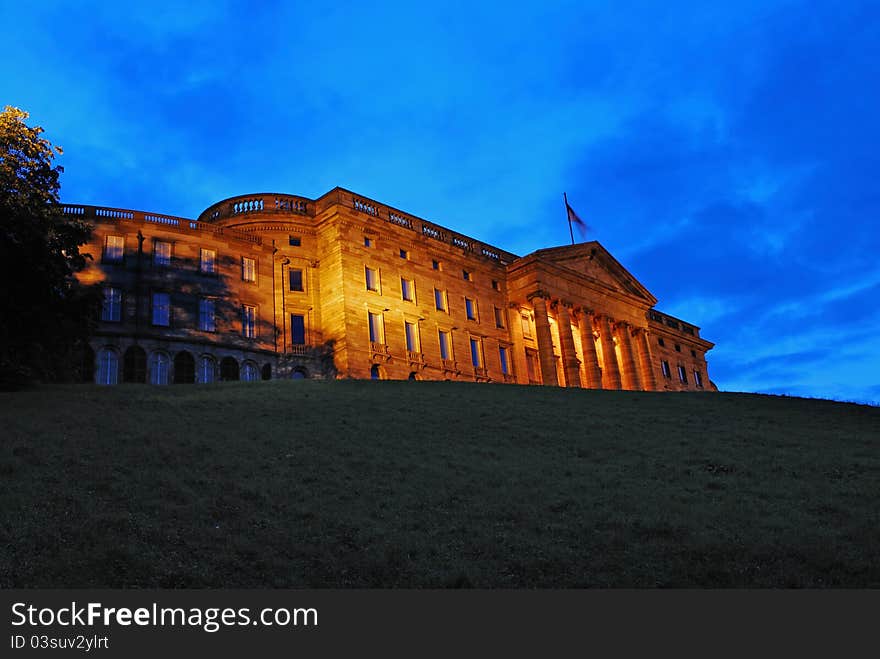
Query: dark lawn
380, 484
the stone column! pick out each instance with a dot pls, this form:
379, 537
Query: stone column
570, 363
646, 360
521, 368
545, 340
610, 369
630, 373
588, 345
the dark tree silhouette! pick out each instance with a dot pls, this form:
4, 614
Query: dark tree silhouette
45, 314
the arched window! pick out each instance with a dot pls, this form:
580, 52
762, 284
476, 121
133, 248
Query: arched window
207, 370
413, 376
374, 372
228, 369
134, 365
299, 374
267, 372
249, 372
184, 368
108, 367
159, 368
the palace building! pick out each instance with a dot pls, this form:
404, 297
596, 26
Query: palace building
270, 286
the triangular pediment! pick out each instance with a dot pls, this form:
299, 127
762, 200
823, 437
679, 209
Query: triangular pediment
594, 261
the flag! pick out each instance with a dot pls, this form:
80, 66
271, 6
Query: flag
574, 219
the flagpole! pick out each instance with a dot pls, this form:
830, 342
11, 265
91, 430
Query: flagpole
568, 215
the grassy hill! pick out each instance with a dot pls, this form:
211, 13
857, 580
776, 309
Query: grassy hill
314, 484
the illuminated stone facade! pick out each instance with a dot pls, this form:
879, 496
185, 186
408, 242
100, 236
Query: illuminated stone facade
273, 285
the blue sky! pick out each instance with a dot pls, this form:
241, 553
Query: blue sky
725, 153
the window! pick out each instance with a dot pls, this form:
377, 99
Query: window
161, 309
526, 325
159, 368
114, 248
111, 310
206, 315
404, 254
476, 353
372, 278
294, 241
495, 285
664, 367
698, 378
499, 318
161, 254
445, 345
297, 329
661, 342
248, 321
682, 375
440, 301
412, 337
505, 365
693, 353
677, 348
532, 365
470, 308
108, 367
368, 242
377, 328
207, 261
435, 264
466, 275
408, 289
249, 372
248, 269
296, 279
207, 370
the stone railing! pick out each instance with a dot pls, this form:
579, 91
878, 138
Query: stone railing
265, 203
672, 322
430, 230
298, 350
101, 214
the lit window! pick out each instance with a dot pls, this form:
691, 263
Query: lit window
505, 366
377, 330
296, 279
470, 308
404, 254
112, 308
526, 325
682, 375
499, 318
207, 370
435, 264
114, 248
408, 289
664, 367
496, 285
159, 365
372, 278
476, 353
368, 242
248, 269
445, 345
161, 253
466, 275
248, 321
412, 337
161, 309
249, 372
206, 315
698, 378
440, 300
294, 241
108, 367
297, 329
207, 261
